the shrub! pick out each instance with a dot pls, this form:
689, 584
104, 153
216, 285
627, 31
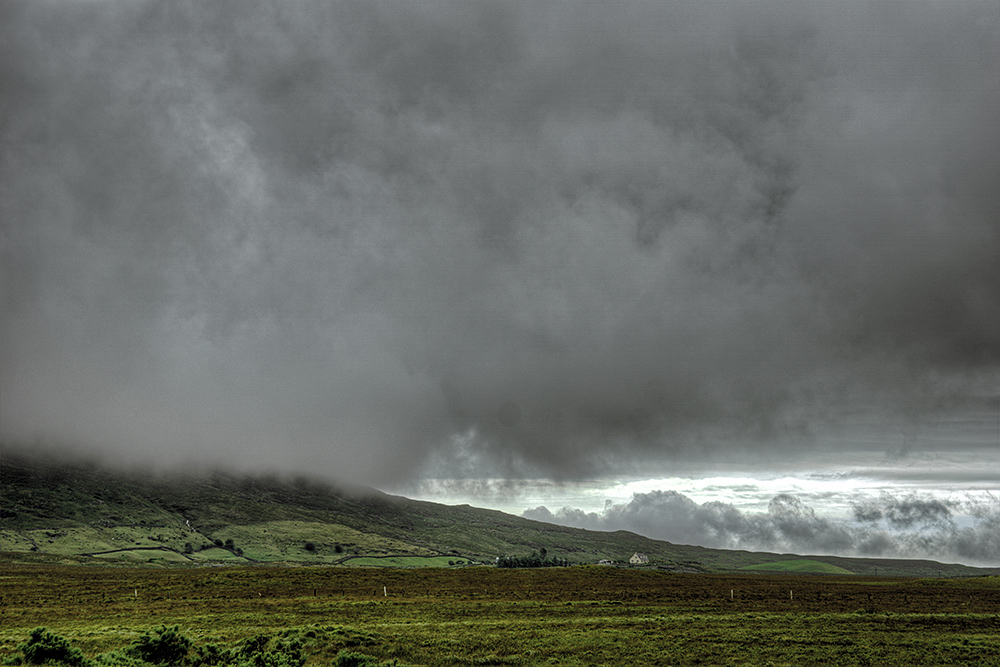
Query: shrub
116, 659
210, 655
168, 646
255, 653
353, 659
44, 646
254, 644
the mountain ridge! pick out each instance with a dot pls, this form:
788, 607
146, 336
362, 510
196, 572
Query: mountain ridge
85, 512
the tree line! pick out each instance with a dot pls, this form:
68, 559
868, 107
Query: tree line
536, 559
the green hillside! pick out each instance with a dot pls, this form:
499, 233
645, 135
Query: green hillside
86, 513
798, 565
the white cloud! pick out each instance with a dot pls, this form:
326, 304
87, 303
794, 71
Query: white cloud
884, 525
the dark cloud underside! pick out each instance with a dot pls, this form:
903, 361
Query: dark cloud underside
538, 236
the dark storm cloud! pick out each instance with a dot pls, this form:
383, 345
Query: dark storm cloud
886, 526
903, 512
348, 236
674, 517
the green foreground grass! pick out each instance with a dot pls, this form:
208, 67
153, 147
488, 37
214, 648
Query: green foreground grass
485, 616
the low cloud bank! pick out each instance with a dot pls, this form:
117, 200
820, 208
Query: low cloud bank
355, 238
886, 526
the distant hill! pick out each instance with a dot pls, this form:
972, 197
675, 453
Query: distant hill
84, 513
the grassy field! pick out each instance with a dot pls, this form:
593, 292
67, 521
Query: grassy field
488, 616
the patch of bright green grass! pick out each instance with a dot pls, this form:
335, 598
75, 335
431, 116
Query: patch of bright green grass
801, 565
217, 554
290, 541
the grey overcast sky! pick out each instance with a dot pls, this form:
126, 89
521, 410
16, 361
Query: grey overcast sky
463, 245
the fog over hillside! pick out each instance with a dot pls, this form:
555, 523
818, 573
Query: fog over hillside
392, 242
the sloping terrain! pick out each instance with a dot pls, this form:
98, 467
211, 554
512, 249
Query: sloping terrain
798, 566
69, 509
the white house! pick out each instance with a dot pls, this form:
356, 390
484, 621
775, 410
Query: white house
639, 559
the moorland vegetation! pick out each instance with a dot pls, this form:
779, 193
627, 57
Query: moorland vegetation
279, 616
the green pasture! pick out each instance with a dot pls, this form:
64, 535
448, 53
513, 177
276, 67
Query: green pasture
290, 541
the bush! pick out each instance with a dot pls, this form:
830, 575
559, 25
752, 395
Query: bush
44, 646
116, 659
352, 659
168, 646
254, 652
210, 655
254, 644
